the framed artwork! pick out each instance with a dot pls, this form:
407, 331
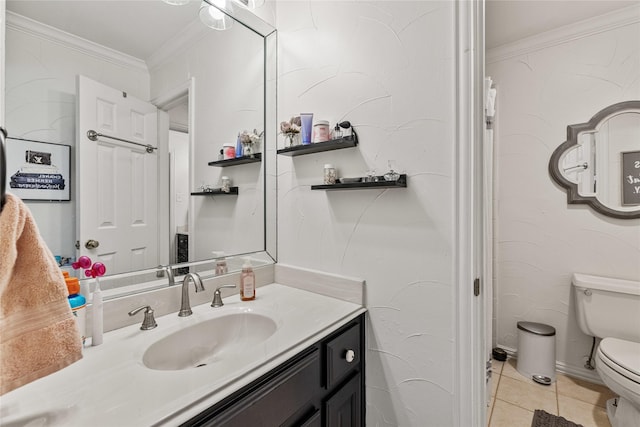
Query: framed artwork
631, 178
38, 170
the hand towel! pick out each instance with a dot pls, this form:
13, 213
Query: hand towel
38, 333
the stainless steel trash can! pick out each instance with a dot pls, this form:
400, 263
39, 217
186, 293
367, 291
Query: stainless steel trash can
537, 352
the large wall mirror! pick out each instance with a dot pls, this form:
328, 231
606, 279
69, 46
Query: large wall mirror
80, 65
599, 163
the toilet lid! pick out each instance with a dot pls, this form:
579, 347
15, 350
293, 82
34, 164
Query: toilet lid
624, 354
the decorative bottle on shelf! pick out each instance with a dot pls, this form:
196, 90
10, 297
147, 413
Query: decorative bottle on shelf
392, 175
330, 174
226, 184
337, 132
247, 282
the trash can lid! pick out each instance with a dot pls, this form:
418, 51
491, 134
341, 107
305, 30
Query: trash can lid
537, 328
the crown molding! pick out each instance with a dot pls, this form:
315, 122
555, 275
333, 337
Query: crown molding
588, 27
28, 26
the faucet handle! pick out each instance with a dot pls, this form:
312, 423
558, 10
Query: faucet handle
149, 321
217, 298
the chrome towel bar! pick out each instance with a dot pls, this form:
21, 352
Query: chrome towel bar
93, 136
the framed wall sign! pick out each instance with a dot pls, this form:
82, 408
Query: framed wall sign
631, 178
38, 170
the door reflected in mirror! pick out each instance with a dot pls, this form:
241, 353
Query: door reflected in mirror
209, 86
599, 164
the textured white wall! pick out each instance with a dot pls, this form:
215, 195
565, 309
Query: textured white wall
540, 240
40, 104
388, 67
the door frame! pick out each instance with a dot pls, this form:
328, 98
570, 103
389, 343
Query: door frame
3, 25
470, 335
164, 102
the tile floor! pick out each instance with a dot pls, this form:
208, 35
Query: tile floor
515, 397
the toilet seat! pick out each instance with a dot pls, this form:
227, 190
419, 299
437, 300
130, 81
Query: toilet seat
622, 356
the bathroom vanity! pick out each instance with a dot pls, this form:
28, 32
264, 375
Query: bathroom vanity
291, 357
321, 386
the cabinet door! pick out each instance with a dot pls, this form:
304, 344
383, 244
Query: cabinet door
314, 420
275, 399
342, 355
344, 408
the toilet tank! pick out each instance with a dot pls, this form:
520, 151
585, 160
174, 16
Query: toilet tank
608, 307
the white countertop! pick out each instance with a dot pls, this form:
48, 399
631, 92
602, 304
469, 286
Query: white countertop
111, 386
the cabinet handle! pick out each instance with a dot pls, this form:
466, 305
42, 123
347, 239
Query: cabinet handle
350, 356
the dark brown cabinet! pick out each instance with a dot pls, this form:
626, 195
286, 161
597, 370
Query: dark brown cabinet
322, 386
343, 409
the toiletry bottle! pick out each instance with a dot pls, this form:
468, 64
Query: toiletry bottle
239, 148
221, 263
97, 317
330, 174
78, 304
247, 282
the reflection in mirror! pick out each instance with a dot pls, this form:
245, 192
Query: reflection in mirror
208, 86
599, 164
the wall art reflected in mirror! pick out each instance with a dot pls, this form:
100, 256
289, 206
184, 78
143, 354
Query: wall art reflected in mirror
599, 163
150, 73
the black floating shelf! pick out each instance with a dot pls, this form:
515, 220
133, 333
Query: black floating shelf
318, 147
216, 192
381, 183
257, 157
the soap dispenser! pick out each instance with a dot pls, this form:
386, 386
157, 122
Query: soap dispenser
247, 282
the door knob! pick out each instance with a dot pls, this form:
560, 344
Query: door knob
91, 244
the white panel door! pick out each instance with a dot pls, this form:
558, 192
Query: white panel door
116, 182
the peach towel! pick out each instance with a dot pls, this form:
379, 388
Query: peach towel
38, 333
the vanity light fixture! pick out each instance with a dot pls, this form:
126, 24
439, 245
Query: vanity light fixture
212, 15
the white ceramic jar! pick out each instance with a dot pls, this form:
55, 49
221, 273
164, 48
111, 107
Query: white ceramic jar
321, 131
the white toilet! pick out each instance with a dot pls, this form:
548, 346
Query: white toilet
609, 308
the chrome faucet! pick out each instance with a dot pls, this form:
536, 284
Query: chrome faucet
185, 307
217, 298
149, 321
169, 272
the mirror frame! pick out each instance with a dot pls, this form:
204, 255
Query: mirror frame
573, 131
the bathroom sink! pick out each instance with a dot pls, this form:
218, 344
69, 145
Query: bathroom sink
209, 341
